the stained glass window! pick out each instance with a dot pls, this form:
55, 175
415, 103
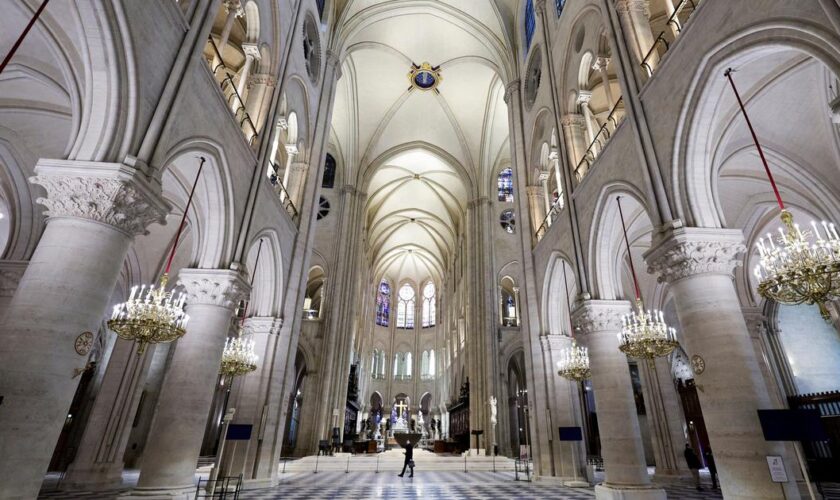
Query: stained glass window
328, 180
559, 4
429, 312
530, 23
383, 304
405, 307
506, 185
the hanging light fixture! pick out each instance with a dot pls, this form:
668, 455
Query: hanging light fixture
574, 360
798, 266
151, 315
645, 335
239, 357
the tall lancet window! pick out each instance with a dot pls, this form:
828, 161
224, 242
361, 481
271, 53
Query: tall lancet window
432, 363
530, 23
429, 311
383, 303
505, 184
405, 307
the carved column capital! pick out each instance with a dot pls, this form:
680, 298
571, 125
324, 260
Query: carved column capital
111, 193
234, 6
572, 120
214, 287
333, 60
510, 89
300, 166
595, 316
476, 202
583, 97
685, 252
554, 342
534, 192
601, 63
263, 325
637, 6
252, 49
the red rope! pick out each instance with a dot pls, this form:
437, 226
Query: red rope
184, 218
568, 303
23, 35
728, 74
629, 255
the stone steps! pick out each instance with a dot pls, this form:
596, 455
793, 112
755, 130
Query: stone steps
392, 460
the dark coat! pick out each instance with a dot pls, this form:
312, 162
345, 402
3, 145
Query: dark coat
691, 459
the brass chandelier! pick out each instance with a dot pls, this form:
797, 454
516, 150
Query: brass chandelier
239, 357
644, 334
152, 315
799, 266
574, 360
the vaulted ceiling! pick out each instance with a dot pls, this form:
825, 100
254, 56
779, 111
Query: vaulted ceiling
420, 155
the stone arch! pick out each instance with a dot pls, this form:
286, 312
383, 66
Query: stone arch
211, 217
555, 315
606, 244
252, 22
692, 180
267, 290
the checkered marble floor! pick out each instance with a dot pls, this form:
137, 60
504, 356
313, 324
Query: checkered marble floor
443, 485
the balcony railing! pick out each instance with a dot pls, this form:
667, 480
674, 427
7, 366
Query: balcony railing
281, 191
234, 100
550, 218
601, 139
673, 28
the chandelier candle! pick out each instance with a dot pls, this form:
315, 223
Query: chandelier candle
239, 357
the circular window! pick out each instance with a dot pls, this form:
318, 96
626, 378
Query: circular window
311, 48
323, 208
508, 221
532, 78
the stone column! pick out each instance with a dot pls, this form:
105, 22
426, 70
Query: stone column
699, 264
99, 462
544, 175
252, 53
600, 65
626, 474
516, 304
554, 158
569, 456
537, 207
260, 89
665, 418
234, 9
251, 405
635, 16
592, 127
291, 152
573, 129
11, 271
297, 179
94, 210
171, 454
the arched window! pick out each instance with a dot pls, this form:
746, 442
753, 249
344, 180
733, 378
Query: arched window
424, 365
383, 304
559, 4
530, 23
405, 307
408, 365
429, 312
374, 363
506, 185
508, 221
397, 364
328, 181
432, 363
320, 5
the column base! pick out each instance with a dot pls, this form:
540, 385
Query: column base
256, 484
575, 483
92, 478
161, 493
610, 492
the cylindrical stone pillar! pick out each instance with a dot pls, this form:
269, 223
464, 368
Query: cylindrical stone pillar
171, 454
618, 424
699, 264
94, 210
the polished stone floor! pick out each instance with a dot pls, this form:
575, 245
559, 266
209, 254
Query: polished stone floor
434, 485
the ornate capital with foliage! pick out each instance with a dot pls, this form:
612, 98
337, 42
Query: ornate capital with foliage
685, 252
213, 287
110, 193
595, 316
626, 6
510, 89
263, 325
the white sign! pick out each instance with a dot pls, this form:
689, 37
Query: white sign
778, 474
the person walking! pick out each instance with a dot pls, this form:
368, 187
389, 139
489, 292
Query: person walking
693, 465
409, 460
710, 463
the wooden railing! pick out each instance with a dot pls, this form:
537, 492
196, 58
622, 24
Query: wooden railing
673, 28
234, 100
601, 138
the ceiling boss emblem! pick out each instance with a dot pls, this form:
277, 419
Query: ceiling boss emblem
424, 77
83, 343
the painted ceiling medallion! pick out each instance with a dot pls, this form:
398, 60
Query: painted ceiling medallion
83, 343
424, 76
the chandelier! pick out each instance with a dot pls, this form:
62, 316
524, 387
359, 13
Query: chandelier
574, 360
644, 334
239, 357
799, 267
152, 315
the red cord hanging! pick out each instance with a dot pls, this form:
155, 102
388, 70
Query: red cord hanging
184, 218
568, 303
629, 255
728, 74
